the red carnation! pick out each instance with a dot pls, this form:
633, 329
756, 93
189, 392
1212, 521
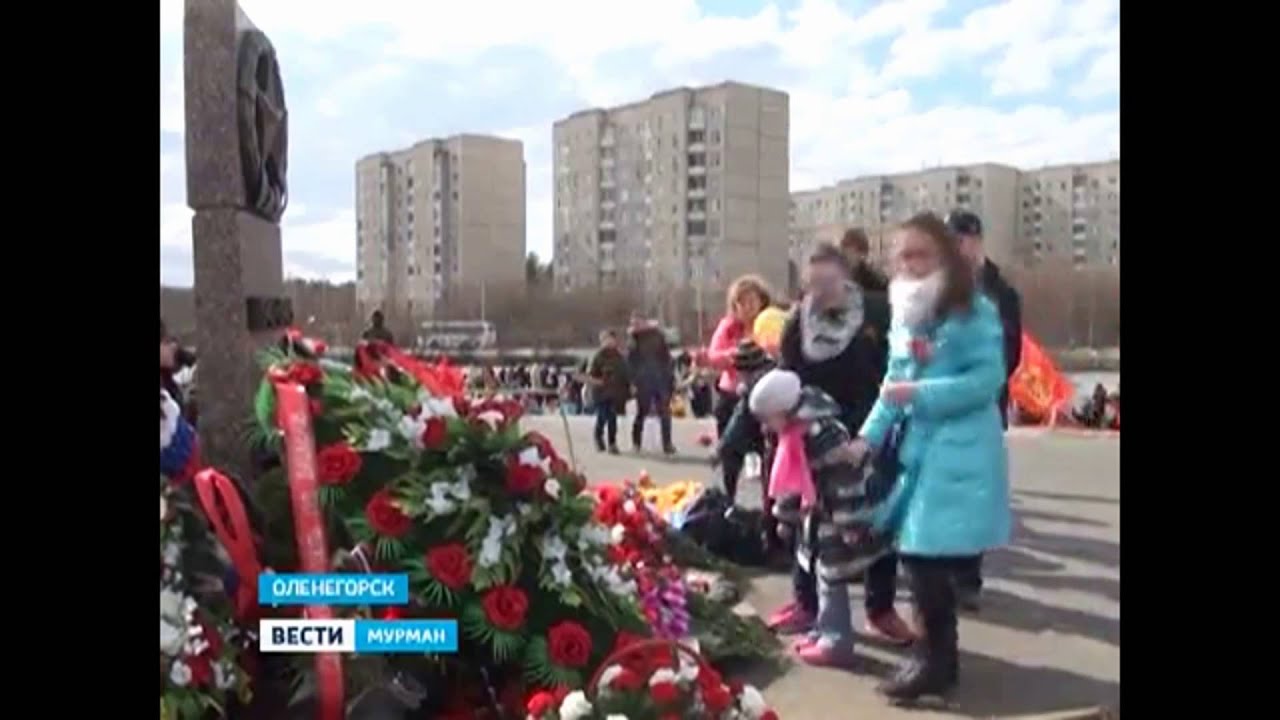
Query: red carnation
305, 373
391, 613
201, 670
450, 565
385, 517
540, 703
768, 715
435, 434
461, 406
569, 644
627, 681
337, 463
717, 699
505, 607
664, 693
523, 479
211, 636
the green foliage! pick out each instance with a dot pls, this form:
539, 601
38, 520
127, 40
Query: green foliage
540, 671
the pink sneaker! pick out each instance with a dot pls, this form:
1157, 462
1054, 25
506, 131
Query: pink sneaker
790, 619
816, 653
890, 627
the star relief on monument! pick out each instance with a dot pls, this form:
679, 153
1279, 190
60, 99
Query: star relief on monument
263, 121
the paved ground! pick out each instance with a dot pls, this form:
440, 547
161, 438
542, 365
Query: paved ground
1048, 636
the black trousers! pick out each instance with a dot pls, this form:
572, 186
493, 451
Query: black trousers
968, 574
651, 400
606, 423
732, 460
934, 591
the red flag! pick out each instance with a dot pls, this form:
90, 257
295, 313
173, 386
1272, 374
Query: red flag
1038, 389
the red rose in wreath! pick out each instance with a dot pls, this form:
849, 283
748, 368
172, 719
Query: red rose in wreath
450, 565
569, 644
305, 373
523, 479
540, 703
717, 698
385, 517
201, 670
337, 464
435, 434
627, 680
505, 607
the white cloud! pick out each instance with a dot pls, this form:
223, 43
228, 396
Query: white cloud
849, 116
1102, 79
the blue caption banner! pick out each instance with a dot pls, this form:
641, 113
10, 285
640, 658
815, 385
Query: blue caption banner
406, 636
337, 589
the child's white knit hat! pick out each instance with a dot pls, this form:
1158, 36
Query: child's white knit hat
777, 392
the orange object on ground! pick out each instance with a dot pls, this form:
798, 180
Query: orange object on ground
1037, 387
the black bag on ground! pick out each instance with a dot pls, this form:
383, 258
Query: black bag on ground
730, 532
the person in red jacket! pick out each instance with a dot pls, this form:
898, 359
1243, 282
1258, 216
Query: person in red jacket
747, 296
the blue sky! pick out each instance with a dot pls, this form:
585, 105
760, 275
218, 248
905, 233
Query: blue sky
876, 87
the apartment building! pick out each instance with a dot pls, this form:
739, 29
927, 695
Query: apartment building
685, 190
878, 203
1071, 213
1067, 212
437, 223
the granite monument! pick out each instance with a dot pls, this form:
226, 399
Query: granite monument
237, 162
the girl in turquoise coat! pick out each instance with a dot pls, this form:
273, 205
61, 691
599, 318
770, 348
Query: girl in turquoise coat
939, 404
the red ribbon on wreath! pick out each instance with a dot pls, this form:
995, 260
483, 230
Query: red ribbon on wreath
441, 380
220, 500
293, 414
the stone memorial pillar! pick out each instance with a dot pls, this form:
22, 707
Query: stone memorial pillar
236, 151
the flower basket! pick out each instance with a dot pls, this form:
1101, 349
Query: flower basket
654, 679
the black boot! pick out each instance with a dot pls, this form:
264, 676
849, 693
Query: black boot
934, 667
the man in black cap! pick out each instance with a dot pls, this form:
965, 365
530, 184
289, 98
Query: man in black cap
968, 228
856, 246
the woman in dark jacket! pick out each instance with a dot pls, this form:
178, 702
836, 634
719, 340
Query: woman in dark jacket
836, 341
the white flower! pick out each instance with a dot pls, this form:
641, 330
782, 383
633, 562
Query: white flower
662, 675
524, 509
179, 673
433, 406
461, 490
224, 676
171, 553
752, 703
493, 417
490, 552
607, 677
688, 670
629, 507
593, 534
617, 534
170, 413
379, 439
531, 457
440, 505
552, 487
553, 547
411, 428
575, 706
561, 574
164, 509
171, 638
615, 716
170, 604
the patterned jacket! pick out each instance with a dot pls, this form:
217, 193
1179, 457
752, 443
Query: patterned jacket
835, 535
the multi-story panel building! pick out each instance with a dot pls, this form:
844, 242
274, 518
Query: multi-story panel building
685, 190
878, 203
1071, 212
438, 222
